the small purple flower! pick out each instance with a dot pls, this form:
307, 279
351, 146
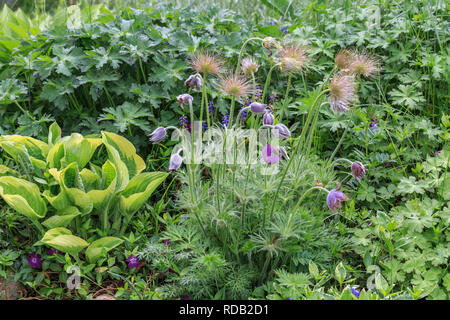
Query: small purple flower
281, 131
194, 82
437, 153
358, 170
204, 126
270, 154
268, 118
36, 75
52, 251
183, 121
257, 107
158, 135
166, 242
175, 162
133, 261
184, 99
283, 153
225, 120
271, 22
244, 113
185, 298
173, 271
374, 124
34, 260
210, 107
335, 197
273, 99
284, 29
356, 293
289, 298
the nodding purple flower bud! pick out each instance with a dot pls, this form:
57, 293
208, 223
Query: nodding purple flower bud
133, 261
184, 99
437, 153
52, 251
356, 293
158, 135
283, 153
358, 170
175, 162
335, 197
271, 154
194, 82
257, 107
281, 131
34, 260
268, 118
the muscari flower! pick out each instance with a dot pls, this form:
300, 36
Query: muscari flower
225, 120
342, 92
257, 107
355, 292
243, 114
210, 107
249, 65
183, 121
374, 124
271, 22
133, 261
270, 154
184, 99
158, 135
281, 131
34, 260
194, 82
206, 63
234, 85
284, 30
358, 170
175, 162
335, 197
268, 118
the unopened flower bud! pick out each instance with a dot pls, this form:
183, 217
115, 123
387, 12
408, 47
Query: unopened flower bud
257, 107
194, 82
175, 162
282, 131
268, 118
358, 170
158, 135
184, 99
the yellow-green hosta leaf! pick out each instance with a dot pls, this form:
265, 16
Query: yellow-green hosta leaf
100, 247
90, 179
63, 240
23, 196
139, 190
55, 154
36, 148
123, 154
54, 134
60, 221
100, 198
5, 171
59, 202
79, 149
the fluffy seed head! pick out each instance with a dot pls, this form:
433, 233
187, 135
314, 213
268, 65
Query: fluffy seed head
270, 43
234, 85
342, 92
249, 65
206, 63
343, 59
292, 58
364, 65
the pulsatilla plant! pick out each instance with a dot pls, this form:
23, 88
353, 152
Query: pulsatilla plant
261, 211
58, 188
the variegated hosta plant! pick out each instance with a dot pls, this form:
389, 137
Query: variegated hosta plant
61, 190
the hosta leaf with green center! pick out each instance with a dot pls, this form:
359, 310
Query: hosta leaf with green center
127, 115
101, 198
409, 96
100, 247
54, 134
23, 196
63, 240
139, 190
123, 155
35, 148
62, 218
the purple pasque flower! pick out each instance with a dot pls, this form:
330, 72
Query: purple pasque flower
257, 107
270, 154
175, 162
34, 260
268, 118
133, 261
335, 197
436, 153
283, 153
184, 99
355, 292
158, 135
358, 170
52, 251
281, 131
194, 82
166, 242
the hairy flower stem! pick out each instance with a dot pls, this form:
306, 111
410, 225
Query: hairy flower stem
285, 97
341, 140
306, 192
242, 50
231, 111
268, 81
23, 110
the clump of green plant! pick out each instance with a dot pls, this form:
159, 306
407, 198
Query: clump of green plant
58, 188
